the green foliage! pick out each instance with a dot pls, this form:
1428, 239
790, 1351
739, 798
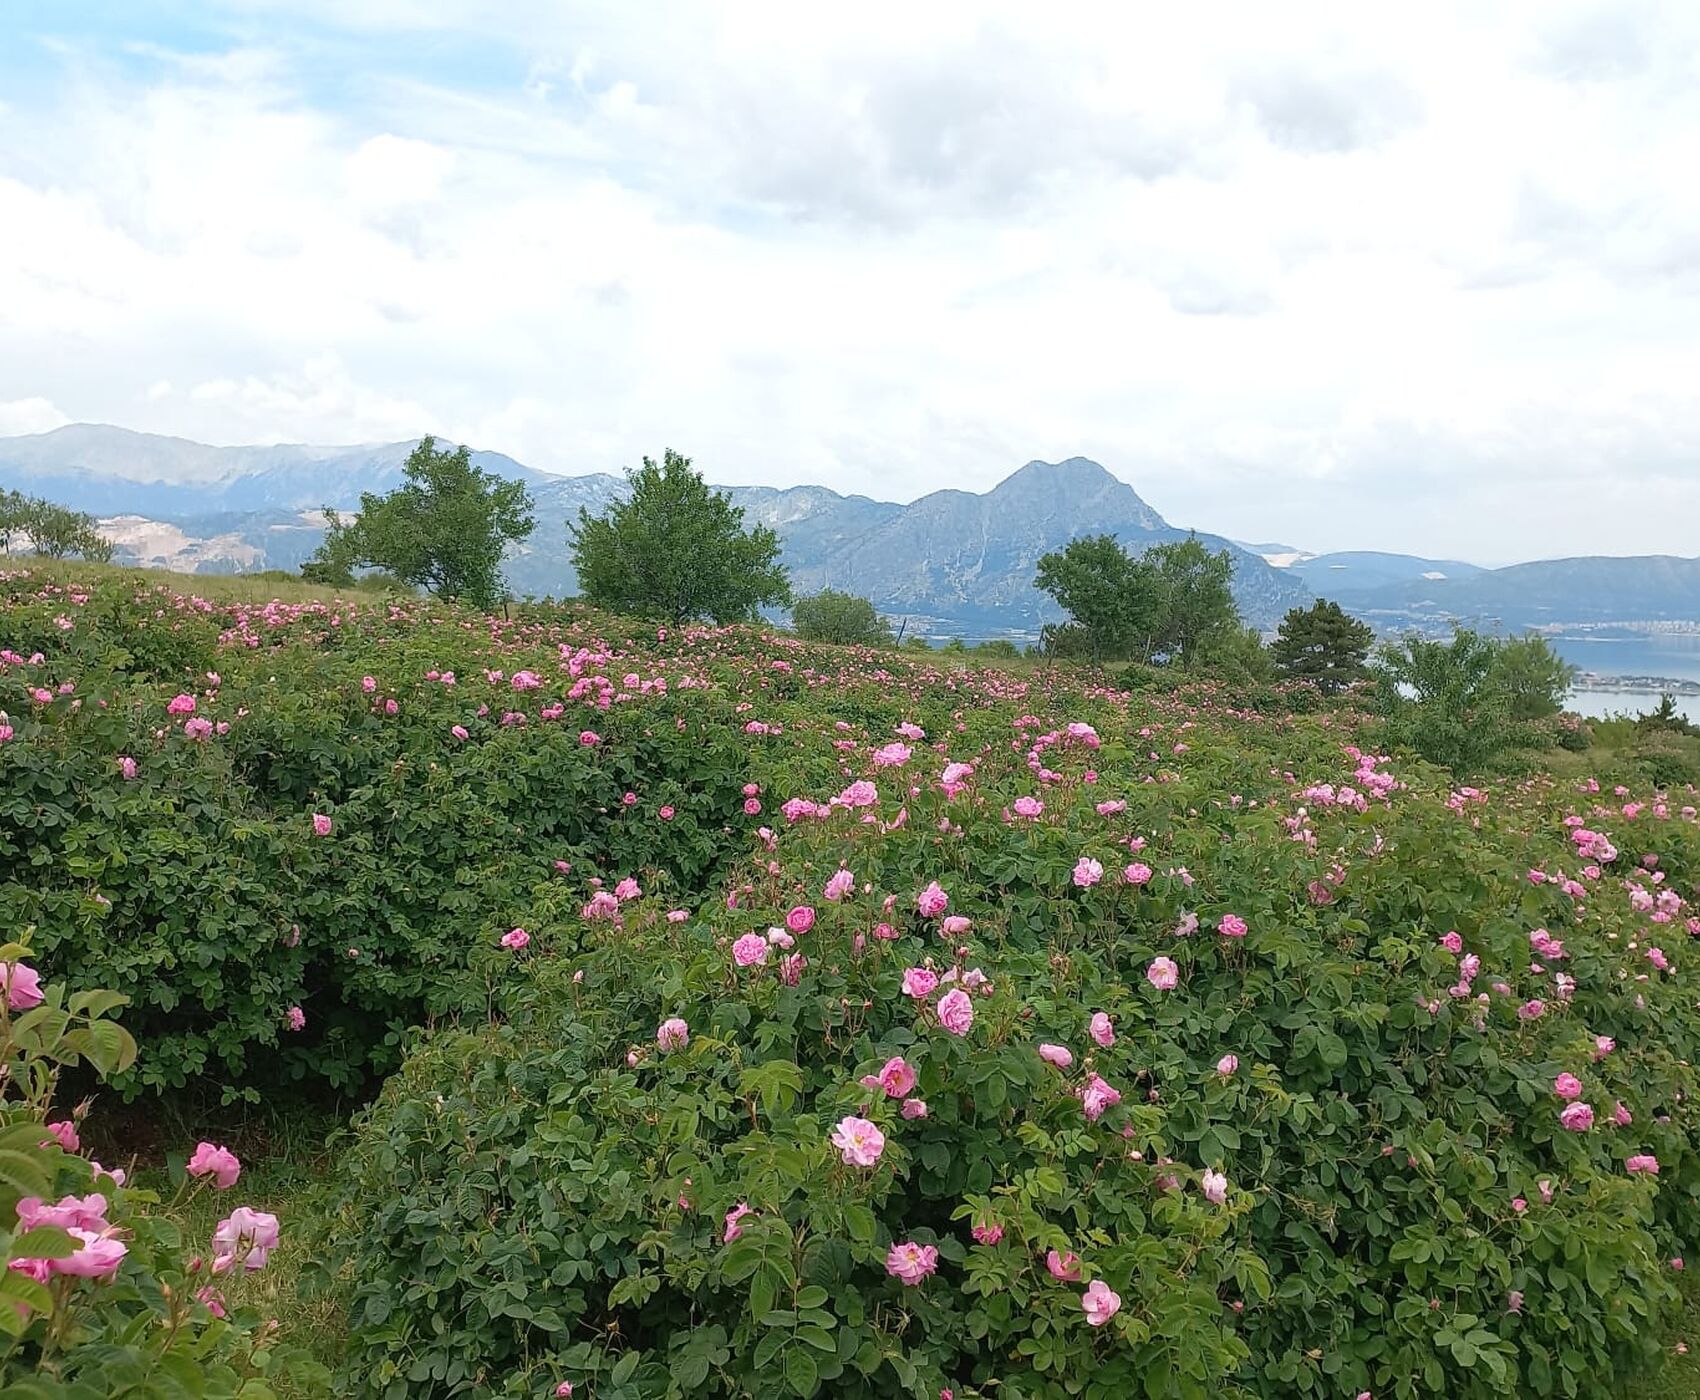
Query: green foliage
1170, 603
137, 1324
840, 618
1532, 676
676, 551
51, 530
1237, 655
545, 1198
1470, 702
444, 529
1664, 717
1323, 645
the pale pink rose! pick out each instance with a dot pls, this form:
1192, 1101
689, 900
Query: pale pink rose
1137, 874
673, 1034
956, 1012
1163, 974
914, 1108
1102, 1030
1087, 873
1232, 926
1214, 1184
1644, 1162
1567, 1086
896, 1078
910, 1263
987, 1232
800, 919
1577, 1117
1063, 1267
219, 1163
515, 939
1100, 1303
65, 1134
1095, 1096
1228, 1065
750, 950
321, 824
932, 901
841, 884
858, 1141
1057, 1055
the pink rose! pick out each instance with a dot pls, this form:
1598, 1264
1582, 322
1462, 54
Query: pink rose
65, 1134
1063, 1267
1577, 1117
1087, 873
1214, 1184
321, 824
1567, 1086
1057, 1055
673, 1034
219, 1163
800, 919
1232, 926
515, 939
987, 1232
1102, 1030
841, 884
1163, 974
1095, 1096
1227, 1065
858, 1141
1137, 874
750, 950
896, 1078
932, 901
245, 1237
1644, 1162
1100, 1303
22, 985
910, 1262
956, 1011
733, 1228
914, 1108
919, 982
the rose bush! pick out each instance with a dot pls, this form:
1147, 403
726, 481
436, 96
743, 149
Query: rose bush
1272, 1106
101, 1295
811, 1021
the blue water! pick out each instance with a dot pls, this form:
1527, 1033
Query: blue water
1674, 655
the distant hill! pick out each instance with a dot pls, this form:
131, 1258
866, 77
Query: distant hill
1549, 592
955, 563
1344, 575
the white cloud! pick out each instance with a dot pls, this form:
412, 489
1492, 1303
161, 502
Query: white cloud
1419, 280
22, 416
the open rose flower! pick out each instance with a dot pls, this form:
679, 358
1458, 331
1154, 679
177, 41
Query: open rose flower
909, 1263
219, 1163
858, 1141
1100, 1303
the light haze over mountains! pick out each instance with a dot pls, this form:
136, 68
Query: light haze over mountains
956, 562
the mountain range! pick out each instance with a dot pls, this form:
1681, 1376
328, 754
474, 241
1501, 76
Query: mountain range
954, 563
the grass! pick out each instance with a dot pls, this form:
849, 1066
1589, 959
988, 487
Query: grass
286, 1165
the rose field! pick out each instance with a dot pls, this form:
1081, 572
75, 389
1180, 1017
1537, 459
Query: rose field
701, 1013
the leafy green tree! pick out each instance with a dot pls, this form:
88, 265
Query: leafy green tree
1237, 655
444, 529
999, 647
53, 530
1112, 599
1534, 678
841, 618
1195, 599
676, 550
1461, 703
1665, 717
1322, 644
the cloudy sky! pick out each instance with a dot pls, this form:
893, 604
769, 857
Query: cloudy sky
1324, 274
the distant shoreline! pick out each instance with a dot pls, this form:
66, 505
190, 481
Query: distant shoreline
1634, 685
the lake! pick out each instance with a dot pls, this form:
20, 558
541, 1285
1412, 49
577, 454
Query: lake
1672, 654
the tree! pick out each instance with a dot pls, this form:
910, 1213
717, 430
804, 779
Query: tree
1237, 655
1112, 598
840, 618
444, 529
1322, 644
1534, 678
53, 530
677, 551
1195, 599
1466, 702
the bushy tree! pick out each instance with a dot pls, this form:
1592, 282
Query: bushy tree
1322, 644
1166, 603
444, 529
1111, 598
53, 530
841, 618
1237, 655
1534, 677
1467, 702
676, 551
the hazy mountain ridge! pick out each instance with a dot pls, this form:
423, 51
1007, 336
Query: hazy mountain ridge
956, 561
